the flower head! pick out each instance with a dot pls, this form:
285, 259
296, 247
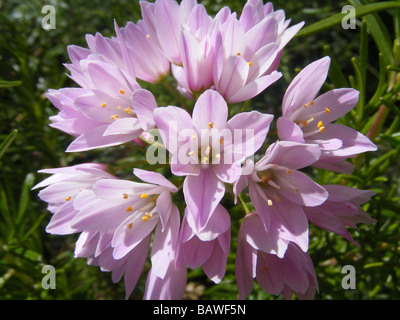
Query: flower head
307, 118
280, 267
63, 188
279, 191
209, 149
342, 209
110, 108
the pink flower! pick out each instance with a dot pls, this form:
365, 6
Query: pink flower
147, 59
116, 219
209, 249
248, 51
342, 209
62, 189
307, 118
280, 267
163, 20
110, 108
238, 58
279, 191
95, 246
209, 149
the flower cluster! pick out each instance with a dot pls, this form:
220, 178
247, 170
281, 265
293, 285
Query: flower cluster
215, 62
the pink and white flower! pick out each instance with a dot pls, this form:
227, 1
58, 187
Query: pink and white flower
204, 151
279, 267
307, 118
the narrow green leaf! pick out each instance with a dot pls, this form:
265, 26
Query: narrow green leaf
9, 84
391, 106
378, 29
361, 87
5, 212
7, 142
25, 197
382, 85
361, 10
335, 75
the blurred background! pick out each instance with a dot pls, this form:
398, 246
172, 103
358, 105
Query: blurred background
31, 62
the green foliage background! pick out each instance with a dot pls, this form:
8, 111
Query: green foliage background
31, 62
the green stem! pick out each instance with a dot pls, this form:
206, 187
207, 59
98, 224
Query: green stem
176, 95
245, 207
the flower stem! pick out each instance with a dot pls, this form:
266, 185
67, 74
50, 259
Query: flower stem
245, 207
176, 95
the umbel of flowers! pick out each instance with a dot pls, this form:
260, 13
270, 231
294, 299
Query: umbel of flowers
216, 62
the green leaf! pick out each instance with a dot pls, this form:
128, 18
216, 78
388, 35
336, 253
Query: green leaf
9, 84
361, 10
378, 29
335, 75
7, 142
25, 197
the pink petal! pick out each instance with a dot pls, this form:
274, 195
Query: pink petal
289, 131
299, 188
202, 195
253, 127
95, 138
309, 81
210, 108
154, 178
253, 88
144, 104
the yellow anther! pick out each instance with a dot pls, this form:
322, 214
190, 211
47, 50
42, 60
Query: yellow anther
128, 110
327, 110
238, 54
121, 91
114, 117
145, 218
205, 159
148, 215
277, 199
211, 125
194, 137
275, 166
288, 171
119, 108
125, 196
191, 153
68, 198
264, 179
130, 225
104, 105
250, 63
311, 103
144, 196
270, 203
221, 141
218, 156
305, 105
321, 127
147, 36
304, 123
129, 209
